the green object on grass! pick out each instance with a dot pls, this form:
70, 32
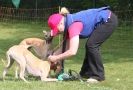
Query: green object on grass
63, 76
69, 76
60, 78
16, 3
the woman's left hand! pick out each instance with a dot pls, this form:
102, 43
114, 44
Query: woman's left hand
53, 58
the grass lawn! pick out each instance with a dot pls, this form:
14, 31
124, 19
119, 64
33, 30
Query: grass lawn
116, 53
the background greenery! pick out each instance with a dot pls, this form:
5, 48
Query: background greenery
77, 4
41, 9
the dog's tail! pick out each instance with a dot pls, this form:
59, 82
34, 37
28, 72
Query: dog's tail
25, 44
9, 64
10, 61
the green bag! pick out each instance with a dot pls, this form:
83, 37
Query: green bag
16, 3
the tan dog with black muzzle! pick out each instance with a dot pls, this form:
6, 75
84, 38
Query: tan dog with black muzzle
41, 47
27, 61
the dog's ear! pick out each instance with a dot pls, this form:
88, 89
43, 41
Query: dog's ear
47, 36
44, 32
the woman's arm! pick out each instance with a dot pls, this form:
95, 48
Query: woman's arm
72, 50
59, 50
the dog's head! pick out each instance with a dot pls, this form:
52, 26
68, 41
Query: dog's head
47, 36
57, 67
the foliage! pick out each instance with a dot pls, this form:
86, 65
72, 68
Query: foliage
77, 4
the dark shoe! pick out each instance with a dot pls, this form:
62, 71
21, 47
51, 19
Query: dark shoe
85, 75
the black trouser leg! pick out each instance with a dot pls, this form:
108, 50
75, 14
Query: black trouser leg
92, 64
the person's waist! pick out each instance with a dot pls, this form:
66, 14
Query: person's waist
105, 19
109, 16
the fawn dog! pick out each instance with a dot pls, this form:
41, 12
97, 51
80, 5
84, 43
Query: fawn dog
41, 47
27, 61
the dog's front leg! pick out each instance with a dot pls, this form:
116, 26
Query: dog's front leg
44, 77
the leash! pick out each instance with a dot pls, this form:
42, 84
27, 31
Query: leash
54, 49
64, 43
75, 76
59, 45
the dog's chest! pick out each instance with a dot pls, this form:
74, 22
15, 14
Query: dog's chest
33, 71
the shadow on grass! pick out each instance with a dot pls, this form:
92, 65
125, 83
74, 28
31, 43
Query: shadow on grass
11, 77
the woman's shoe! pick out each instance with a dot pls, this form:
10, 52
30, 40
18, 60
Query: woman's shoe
92, 80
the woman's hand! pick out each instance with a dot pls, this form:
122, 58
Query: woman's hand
53, 58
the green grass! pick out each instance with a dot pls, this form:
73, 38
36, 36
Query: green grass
116, 53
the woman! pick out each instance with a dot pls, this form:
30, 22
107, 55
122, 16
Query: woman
95, 24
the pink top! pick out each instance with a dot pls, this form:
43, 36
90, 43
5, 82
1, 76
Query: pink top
75, 29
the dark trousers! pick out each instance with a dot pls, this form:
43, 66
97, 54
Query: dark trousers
92, 65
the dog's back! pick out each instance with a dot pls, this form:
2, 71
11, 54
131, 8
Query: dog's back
38, 45
16, 52
31, 41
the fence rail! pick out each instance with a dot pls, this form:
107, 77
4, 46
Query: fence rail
25, 14
7, 13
